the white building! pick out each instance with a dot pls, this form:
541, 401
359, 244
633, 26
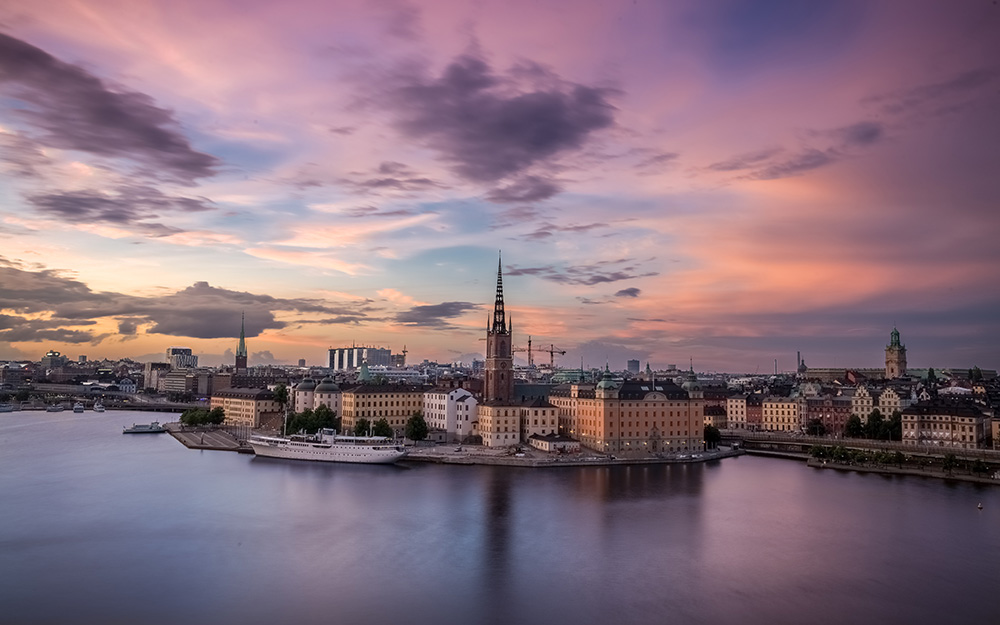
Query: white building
445, 409
181, 358
736, 412
350, 358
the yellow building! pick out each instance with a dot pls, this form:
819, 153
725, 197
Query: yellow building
945, 423
781, 414
633, 417
248, 406
395, 403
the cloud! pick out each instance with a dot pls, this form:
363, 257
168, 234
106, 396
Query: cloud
959, 86
745, 161
525, 189
629, 292
76, 110
798, 164
434, 315
588, 275
198, 311
860, 134
128, 205
487, 128
21, 156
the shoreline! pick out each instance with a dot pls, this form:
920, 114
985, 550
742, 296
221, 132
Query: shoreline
934, 473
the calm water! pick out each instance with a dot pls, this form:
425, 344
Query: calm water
97, 527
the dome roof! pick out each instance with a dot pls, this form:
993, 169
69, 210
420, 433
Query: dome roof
327, 385
307, 384
607, 380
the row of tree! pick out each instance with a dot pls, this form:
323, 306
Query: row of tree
311, 421
200, 416
877, 427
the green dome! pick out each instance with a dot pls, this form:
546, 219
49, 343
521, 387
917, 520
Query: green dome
307, 384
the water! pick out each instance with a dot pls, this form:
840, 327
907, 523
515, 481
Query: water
97, 527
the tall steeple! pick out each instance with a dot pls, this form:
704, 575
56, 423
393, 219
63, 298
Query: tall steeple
498, 381
499, 322
241, 348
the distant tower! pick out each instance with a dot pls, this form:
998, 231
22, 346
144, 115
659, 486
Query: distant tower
895, 357
241, 349
498, 383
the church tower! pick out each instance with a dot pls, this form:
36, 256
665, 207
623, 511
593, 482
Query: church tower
498, 383
241, 349
895, 357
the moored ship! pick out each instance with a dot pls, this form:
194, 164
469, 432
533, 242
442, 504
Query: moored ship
328, 446
78, 407
144, 428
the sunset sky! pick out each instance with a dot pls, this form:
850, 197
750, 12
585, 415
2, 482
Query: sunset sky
727, 182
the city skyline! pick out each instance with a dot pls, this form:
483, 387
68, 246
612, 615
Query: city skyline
725, 182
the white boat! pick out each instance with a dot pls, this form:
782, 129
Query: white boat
328, 446
144, 428
55, 408
6, 407
98, 407
78, 407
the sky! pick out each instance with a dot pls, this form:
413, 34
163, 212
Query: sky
723, 183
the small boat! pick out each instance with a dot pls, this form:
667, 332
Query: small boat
98, 406
328, 446
144, 428
78, 407
6, 407
55, 408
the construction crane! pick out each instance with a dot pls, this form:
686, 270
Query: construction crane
531, 360
552, 351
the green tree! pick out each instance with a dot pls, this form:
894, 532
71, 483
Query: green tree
976, 374
898, 459
712, 436
281, 396
361, 427
854, 428
325, 417
382, 428
194, 417
979, 466
22, 395
216, 416
949, 463
873, 429
819, 451
815, 427
416, 427
894, 427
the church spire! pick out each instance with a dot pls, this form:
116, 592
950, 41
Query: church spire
241, 349
499, 321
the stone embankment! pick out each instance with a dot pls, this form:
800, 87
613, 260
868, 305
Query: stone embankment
466, 454
922, 471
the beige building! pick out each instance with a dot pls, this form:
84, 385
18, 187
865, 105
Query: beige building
395, 403
893, 399
782, 414
863, 402
634, 416
736, 412
945, 423
250, 407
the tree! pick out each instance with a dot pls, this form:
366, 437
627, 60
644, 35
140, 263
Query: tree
22, 395
976, 374
195, 416
894, 428
815, 427
216, 416
382, 428
416, 427
361, 427
281, 396
854, 428
712, 436
873, 429
950, 462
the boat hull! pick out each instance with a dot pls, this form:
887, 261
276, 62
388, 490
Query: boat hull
327, 452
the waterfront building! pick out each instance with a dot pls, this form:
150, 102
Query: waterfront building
395, 403
152, 372
755, 411
782, 414
630, 417
736, 412
893, 399
443, 408
715, 416
895, 357
250, 407
945, 423
831, 411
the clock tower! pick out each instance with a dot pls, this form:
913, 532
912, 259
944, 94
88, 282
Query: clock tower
498, 383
